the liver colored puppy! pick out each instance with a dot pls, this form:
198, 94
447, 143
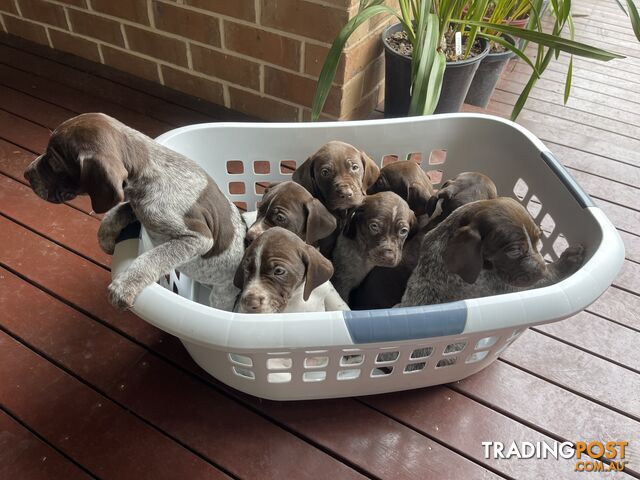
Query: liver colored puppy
338, 175
484, 248
375, 235
290, 206
193, 226
281, 273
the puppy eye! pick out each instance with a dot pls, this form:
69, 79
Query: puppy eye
325, 172
280, 218
374, 227
404, 231
355, 167
514, 252
279, 271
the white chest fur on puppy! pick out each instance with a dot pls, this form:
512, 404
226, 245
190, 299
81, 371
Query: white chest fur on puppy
281, 273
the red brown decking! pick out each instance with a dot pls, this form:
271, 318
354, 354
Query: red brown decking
86, 391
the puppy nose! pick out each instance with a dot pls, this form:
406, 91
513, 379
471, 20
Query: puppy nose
345, 192
254, 301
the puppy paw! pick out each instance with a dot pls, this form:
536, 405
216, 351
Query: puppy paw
107, 240
121, 295
571, 260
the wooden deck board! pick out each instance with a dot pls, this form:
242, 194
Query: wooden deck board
578, 379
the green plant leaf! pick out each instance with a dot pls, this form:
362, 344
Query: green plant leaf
330, 66
513, 48
634, 17
522, 99
551, 41
434, 87
430, 33
567, 82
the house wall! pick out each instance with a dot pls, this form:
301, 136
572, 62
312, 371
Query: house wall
260, 57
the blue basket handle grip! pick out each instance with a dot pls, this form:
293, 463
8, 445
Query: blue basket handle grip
583, 199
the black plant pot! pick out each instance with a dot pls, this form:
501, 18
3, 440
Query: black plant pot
487, 76
397, 90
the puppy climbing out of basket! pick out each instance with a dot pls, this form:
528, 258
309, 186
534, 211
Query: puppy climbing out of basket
384, 287
281, 273
374, 235
484, 248
338, 175
289, 205
408, 180
192, 224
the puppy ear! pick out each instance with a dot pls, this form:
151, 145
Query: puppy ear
350, 226
102, 178
320, 222
238, 278
463, 254
413, 225
371, 171
443, 194
304, 176
418, 197
319, 270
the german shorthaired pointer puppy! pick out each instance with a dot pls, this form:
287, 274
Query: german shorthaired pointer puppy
375, 235
289, 205
484, 248
408, 180
193, 226
338, 175
281, 273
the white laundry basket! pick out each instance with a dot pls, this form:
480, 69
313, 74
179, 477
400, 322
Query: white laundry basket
335, 354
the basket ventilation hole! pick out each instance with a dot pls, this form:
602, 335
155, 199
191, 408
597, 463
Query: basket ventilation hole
437, 156
486, 342
446, 362
347, 360
415, 367
174, 287
423, 352
534, 206
476, 356
387, 357
381, 371
261, 167
259, 188
388, 159
279, 363
316, 362
435, 176
351, 374
520, 189
244, 373
454, 348
241, 359
235, 167
241, 205
282, 377
237, 188
317, 376
547, 224
287, 166
415, 157
560, 245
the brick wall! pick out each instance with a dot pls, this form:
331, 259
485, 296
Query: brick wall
260, 57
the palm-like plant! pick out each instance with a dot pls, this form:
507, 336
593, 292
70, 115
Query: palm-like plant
428, 24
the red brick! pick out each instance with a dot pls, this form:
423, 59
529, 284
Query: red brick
187, 23
74, 44
267, 46
197, 86
130, 63
297, 89
77, 3
134, 10
314, 57
304, 18
8, 6
244, 9
156, 45
261, 107
24, 29
43, 12
96, 26
227, 67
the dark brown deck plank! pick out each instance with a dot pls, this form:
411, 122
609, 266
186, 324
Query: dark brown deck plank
24, 456
37, 111
216, 427
88, 427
